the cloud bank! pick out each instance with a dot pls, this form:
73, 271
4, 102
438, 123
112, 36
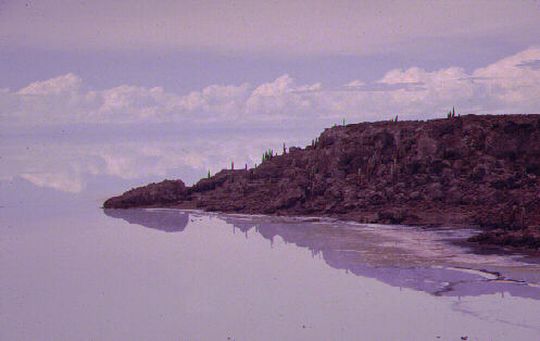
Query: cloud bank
510, 85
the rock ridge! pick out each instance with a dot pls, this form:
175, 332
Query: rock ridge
469, 170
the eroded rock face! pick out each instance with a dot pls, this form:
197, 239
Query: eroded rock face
470, 170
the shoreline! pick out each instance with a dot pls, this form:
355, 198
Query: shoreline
470, 242
468, 171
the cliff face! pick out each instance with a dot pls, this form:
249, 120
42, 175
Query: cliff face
470, 170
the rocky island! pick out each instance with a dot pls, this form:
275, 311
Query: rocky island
464, 171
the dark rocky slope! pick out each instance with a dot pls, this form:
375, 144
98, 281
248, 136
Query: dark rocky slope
471, 170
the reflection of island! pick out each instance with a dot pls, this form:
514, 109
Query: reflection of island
354, 251
164, 220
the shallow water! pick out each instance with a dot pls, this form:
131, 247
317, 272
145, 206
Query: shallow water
159, 274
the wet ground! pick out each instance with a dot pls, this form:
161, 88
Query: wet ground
166, 274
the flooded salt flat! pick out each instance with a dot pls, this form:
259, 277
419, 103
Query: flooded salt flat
165, 274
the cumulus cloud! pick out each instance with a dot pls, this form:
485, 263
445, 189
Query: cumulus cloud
223, 101
282, 97
65, 84
423, 91
502, 87
510, 85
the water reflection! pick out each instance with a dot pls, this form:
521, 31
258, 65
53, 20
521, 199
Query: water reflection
365, 252
163, 220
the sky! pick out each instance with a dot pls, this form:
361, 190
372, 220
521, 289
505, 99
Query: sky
98, 96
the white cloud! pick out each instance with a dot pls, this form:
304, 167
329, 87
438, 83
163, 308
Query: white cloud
421, 91
282, 97
355, 84
280, 86
65, 84
502, 87
223, 101
133, 103
510, 85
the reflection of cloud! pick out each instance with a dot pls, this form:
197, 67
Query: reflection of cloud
510, 85
68, 166
58, 181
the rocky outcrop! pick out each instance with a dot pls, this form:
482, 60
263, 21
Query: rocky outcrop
167, 192
471, 170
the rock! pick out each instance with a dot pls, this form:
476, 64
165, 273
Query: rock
471, 170
289, 198
391, 216
163, 193
434, 191
415, 195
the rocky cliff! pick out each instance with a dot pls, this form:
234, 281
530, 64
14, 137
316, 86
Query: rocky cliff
461, 171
